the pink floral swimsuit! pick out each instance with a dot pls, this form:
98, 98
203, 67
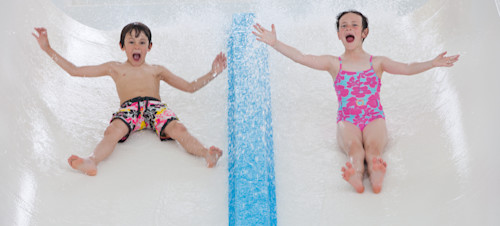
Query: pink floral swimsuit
358, 96
142, 112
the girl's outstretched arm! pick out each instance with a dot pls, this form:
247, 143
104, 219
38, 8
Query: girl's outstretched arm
218, 65
324, 63
84, 71
395, 67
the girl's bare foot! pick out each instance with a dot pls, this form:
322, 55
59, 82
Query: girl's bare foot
354, 178
377, 173
86, 166
213, 156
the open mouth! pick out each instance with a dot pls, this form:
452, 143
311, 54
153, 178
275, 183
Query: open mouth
136, 56
349, 38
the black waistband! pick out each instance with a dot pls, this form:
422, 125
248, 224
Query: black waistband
139, 99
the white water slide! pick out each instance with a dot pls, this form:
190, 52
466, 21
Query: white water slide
443, 154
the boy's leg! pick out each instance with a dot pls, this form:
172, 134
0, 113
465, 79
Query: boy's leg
350, 140
177, 131
115, 131
375, 140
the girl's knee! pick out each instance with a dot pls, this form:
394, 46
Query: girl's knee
374, 147
353, 146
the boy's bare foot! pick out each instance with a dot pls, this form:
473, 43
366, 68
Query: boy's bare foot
377, 173
86, 166
354, 178
213, 155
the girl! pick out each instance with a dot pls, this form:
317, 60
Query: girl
361, 128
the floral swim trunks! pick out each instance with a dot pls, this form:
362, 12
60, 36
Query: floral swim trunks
143, 112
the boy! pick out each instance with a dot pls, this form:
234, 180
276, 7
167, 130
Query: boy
138, 87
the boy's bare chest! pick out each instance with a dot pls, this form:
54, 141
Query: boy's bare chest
136, 77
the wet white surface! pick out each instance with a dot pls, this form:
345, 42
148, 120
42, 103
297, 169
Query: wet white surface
442, 153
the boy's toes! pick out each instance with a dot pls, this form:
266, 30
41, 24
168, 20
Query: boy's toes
72, 158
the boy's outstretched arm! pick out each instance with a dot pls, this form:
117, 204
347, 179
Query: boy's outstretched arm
398, 68
323, 63
84, 71
218, 65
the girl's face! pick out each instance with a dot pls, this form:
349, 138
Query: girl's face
351, 31
136, 48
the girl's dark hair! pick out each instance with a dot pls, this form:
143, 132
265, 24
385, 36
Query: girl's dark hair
364, 20
137, 27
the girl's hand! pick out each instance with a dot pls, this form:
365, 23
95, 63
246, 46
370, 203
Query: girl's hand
442, 61
42, 39
264, 35
219, 64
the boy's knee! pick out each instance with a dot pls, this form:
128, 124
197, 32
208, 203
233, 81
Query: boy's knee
176, 128
115, 129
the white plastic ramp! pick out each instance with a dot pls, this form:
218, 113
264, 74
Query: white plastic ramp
49, 115
442, 155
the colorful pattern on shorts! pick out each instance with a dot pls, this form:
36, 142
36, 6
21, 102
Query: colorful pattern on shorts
358, 95
145, 112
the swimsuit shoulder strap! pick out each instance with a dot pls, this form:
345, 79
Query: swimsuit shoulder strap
340, 60
371, 64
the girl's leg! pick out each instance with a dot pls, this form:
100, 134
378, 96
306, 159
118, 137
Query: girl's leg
375, 140
177, 131
115, 131
350, 140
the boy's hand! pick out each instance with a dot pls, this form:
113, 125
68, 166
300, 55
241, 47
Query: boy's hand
442, 61
42, 38
219, 64
264, 35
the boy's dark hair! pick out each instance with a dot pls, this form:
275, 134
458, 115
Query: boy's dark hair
137, 27
364, 20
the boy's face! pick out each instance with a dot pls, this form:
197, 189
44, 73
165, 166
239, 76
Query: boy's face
136, 48
351, 30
